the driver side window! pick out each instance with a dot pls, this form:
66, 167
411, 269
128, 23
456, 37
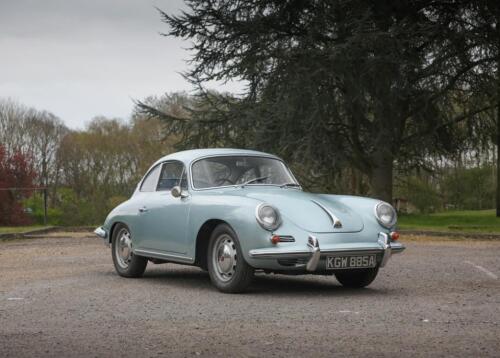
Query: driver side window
172, 174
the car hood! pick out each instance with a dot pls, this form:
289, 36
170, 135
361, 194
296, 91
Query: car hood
311, 212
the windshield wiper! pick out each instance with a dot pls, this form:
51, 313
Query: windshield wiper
253, 180
286, 185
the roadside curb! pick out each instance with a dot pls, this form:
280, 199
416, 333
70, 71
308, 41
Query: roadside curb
463, 235
41, 233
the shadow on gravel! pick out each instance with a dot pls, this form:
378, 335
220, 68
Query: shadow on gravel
304, 286
196, 280
190, 279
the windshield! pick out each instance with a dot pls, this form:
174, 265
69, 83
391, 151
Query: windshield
240, 170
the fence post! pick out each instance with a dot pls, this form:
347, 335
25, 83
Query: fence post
45, 206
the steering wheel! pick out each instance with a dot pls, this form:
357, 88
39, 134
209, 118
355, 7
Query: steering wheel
221, 181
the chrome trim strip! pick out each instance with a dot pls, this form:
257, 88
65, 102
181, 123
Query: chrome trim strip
272, 254
160, 255
335, 220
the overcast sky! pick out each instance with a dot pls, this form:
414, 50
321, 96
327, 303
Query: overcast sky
83, 58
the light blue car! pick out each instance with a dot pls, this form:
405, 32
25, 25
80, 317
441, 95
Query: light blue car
233, 212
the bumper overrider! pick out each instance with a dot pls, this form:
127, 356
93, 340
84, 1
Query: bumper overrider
101, 232
311, 256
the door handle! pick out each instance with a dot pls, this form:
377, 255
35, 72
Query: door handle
143, 209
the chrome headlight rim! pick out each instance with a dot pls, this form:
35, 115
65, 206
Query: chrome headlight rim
394, 220
264, 224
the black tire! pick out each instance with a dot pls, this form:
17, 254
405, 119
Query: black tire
136, 265
240, 274
357, 278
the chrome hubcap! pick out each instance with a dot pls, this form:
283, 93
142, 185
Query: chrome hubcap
123, 248
224, 257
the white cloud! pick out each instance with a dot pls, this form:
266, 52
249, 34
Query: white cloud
80, 59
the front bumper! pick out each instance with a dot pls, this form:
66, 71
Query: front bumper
310, 256
102, 233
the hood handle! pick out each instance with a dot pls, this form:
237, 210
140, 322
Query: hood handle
337, 224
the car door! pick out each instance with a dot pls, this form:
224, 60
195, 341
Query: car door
140, 202
165, 216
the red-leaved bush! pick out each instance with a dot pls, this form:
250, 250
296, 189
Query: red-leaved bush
16, 171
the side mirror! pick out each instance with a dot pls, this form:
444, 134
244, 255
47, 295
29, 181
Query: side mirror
177, 192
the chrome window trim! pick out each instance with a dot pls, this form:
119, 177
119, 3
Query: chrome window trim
269, 156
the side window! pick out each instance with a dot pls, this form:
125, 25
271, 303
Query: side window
149, 184
170, 176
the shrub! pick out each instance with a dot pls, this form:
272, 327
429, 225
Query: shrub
16, 171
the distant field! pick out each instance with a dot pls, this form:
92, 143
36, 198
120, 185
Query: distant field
457, 221
15, 229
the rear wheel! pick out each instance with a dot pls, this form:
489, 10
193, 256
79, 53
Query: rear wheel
357, 278
126, 263
227, 268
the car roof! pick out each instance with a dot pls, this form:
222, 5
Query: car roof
188, 156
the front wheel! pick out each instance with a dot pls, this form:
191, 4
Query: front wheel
357, 278
126, 263
227, 268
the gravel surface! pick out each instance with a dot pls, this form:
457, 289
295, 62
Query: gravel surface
61, 297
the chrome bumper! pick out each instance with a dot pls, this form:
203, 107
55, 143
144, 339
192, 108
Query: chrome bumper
313, 253
101, 233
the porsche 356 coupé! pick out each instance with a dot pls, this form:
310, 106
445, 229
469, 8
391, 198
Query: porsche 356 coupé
233, 212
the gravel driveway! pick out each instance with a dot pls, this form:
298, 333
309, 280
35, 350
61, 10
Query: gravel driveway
61, 297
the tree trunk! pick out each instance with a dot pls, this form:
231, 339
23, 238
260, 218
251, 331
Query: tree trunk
498, 139
498, 115
381, 176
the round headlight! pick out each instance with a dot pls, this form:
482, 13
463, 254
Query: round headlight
386, 215
268, 217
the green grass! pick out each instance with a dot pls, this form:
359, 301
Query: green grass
483, 221
16, 229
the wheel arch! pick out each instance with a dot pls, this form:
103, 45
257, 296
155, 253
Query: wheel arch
202, 240
112, 230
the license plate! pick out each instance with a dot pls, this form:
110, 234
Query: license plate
350, 262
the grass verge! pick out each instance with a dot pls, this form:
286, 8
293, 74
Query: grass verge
17, 229
472, 221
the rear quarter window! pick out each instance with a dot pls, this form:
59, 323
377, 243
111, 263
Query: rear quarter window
150, 182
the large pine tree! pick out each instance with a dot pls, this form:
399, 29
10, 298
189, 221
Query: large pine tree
332, 83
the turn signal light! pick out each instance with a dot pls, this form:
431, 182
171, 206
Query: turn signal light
275, 239
394, 236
